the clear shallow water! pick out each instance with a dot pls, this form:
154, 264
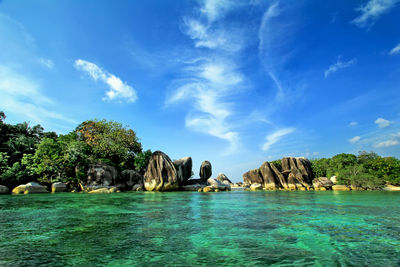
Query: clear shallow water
190, 228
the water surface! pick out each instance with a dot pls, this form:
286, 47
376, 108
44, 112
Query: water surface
190, 228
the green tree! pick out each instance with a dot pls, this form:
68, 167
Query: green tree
110, 140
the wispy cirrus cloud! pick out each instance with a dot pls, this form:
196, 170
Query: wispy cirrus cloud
382, 123
372, 11
338, 66
395, 50
207, 82
118, 90
46, 62
23, 96
275, 137
353, 123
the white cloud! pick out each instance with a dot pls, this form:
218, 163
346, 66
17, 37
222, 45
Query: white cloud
382, 123
208, 84
371, 11
275, 137
46, 62
339, 65
353, 123
215, 9
22, 96
387, 143
118, 90
210, 37
355, 139
395, 50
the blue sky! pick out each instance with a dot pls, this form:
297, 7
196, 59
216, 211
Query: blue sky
233, 82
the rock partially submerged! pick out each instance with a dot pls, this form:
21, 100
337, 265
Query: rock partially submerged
223, 178
215, 184
340, 188
296, 174
4, 189
322, 183
160, 174
58, 187
30, 188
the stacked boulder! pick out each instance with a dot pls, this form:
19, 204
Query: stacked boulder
164, 175
296, 174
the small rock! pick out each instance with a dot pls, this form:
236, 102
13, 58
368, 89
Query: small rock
3, 189
255, 187
100, 191
208, 189
58, 187
30, 188
341, 188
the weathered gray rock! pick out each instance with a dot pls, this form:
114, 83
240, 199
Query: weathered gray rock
280, 176
138, 187
271, 182
223, 178
183, 168
322, 182
3, 189
160, 174
30, 188
131, 177
58, 187
101, 174
205, 170
253, 177
218, 185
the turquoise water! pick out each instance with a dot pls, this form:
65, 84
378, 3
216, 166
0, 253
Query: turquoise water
190, 228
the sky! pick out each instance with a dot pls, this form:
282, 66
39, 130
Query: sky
233, 82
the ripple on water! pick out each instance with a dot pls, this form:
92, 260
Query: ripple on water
186, 228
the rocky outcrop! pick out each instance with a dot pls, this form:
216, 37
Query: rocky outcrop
296, 174
3, 189
58, 187
30, 188
160, 174
132, 180
205, 170
322, 182
183, 168
223, 179
215, 184
101, 174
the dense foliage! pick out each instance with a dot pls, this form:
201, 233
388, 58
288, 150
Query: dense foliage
30, 154
367, 170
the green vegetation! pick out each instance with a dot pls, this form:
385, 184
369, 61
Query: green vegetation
367, 170
30, 154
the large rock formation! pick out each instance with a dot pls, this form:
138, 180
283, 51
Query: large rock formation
183, 168
296, 174
30, 188
205, 170
160, 174
101, 174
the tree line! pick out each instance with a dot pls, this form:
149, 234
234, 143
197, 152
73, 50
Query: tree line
31, 154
